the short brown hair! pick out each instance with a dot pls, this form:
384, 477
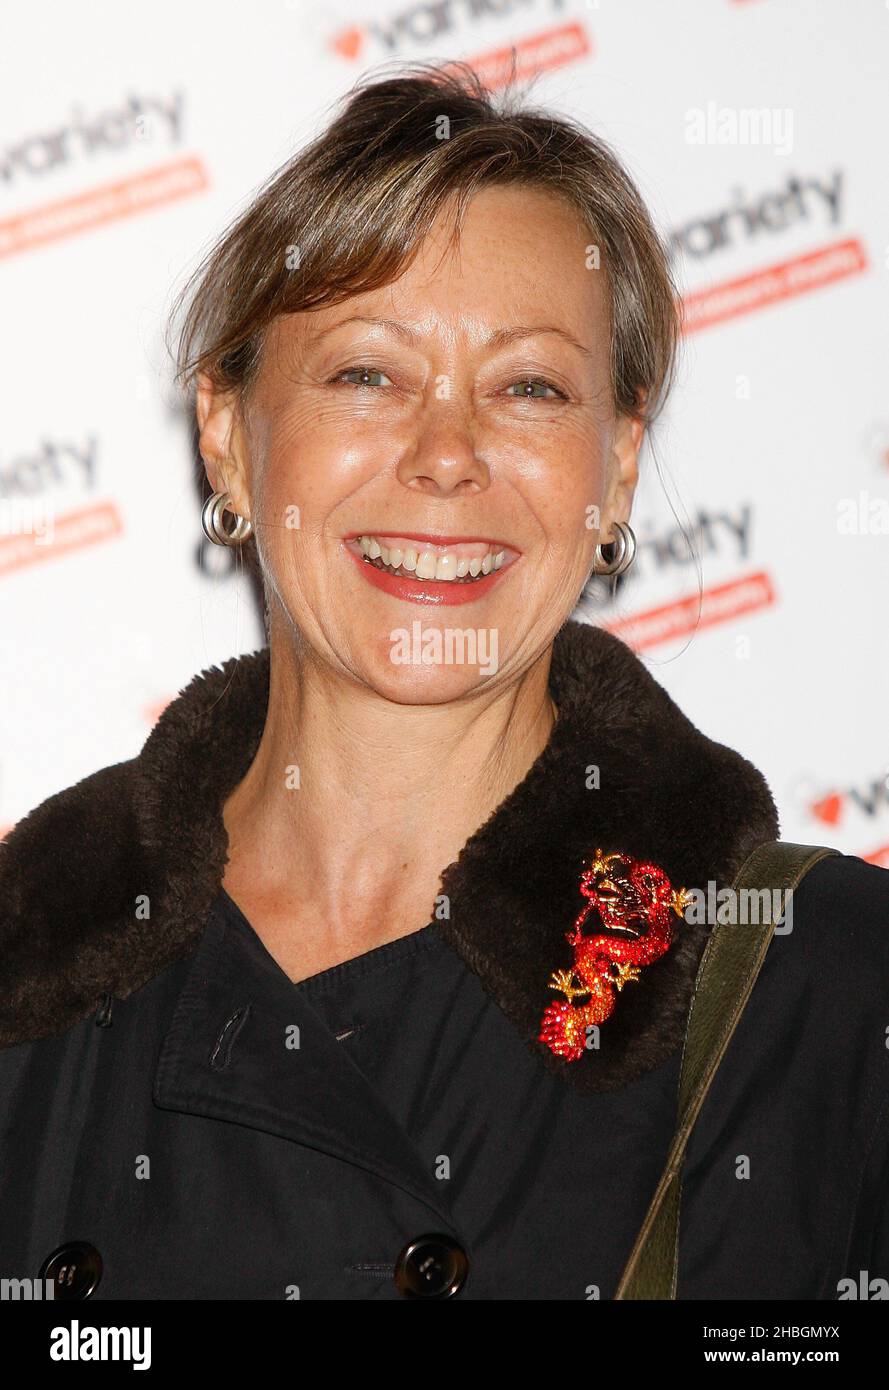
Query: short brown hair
349, 211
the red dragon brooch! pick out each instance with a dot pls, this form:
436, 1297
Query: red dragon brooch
636, 903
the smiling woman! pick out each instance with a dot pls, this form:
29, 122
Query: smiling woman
387, 927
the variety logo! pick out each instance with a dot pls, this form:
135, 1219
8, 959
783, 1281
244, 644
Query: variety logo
871, 801
83, 136
711, 534
847, 809
31, 525
768, 214
427, 22
721, 603
53, 465
797, 201
149, 120
773, 284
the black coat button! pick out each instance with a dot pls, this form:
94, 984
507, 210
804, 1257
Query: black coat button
75, 1269
431, 1266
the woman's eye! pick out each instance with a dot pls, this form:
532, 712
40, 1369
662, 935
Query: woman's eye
531, 388
531, 394
364, 373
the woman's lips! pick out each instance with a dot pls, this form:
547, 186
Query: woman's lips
460, 558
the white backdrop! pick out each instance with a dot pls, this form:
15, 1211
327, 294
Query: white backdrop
129, 135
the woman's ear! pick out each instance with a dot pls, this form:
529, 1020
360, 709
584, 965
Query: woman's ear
222, 442
623, 474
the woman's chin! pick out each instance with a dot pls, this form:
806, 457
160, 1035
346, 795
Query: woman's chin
424, 670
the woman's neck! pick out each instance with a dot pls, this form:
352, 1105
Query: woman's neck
354, 805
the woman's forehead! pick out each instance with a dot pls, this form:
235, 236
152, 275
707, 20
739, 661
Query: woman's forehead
487, 290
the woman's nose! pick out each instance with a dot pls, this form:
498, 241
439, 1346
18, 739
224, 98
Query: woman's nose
445, 457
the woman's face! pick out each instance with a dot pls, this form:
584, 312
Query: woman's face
426, 465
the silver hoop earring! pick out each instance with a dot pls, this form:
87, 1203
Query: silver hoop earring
624, 551
213, 525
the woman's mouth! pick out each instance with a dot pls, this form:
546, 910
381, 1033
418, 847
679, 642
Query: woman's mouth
430, 569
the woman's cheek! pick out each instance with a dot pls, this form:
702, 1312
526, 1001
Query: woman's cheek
570, 508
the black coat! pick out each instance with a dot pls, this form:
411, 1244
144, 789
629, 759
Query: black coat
203, 1128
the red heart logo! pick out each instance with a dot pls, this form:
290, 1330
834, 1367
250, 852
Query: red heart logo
348, 43
829, 808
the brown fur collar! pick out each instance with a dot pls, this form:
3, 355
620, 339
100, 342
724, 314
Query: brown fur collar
72, 870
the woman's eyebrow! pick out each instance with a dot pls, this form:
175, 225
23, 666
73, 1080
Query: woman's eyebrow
499, 338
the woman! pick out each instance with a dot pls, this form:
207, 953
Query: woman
289, 1009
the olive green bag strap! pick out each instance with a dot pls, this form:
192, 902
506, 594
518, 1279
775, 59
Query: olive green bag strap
726, 976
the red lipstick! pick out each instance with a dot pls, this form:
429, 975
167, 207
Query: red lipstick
440, 592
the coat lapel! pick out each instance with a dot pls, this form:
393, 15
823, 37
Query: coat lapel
245, 1046
624, 770
112, 880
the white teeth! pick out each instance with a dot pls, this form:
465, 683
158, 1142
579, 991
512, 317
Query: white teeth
431, 564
